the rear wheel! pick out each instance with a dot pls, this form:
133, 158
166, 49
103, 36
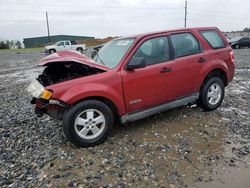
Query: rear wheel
212, 94
79, 50
88, 123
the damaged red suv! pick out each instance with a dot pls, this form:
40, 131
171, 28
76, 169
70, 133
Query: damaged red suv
131, 78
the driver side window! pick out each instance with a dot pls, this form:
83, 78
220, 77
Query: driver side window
154, 50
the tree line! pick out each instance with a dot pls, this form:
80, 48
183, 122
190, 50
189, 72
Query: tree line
10, 44
246, 29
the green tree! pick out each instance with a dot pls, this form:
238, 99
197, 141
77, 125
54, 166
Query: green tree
3, 45
18, 44
7, 44
12, 44
246, 29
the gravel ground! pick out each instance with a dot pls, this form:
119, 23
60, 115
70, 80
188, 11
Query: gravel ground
185, 147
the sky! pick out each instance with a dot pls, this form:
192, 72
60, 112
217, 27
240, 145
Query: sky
102, 18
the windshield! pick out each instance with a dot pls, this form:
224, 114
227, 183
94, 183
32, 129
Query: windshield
112, 52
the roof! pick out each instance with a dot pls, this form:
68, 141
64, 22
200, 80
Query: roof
59, 36
142, 35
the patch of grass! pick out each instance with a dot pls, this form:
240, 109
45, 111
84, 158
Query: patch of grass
23, 50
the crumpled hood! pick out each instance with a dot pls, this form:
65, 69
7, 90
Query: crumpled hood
70, 56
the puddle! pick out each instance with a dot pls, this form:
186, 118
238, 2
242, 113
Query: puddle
175, 147
229, 178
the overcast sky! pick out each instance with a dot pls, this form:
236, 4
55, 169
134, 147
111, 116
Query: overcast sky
26, 18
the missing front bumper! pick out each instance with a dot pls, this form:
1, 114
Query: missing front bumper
54, 108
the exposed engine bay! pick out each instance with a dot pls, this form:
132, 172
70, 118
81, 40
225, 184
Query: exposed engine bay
62, 71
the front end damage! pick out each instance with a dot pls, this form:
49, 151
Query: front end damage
58, 69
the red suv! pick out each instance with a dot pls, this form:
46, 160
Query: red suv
131, 78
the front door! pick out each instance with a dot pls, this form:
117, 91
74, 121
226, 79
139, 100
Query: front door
67, 45
146, 87
61, 46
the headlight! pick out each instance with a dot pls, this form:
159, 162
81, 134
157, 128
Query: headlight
38, 91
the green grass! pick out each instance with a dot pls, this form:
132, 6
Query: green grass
23, 50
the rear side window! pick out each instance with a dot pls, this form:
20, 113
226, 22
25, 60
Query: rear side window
213, 38
67, 43
185, 44
154, 50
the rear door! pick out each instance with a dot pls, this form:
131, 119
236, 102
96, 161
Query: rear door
146, 87
188, 61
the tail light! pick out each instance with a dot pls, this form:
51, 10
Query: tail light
232, 56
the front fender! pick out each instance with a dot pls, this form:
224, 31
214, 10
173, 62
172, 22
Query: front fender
80, 92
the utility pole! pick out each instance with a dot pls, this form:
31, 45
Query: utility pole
185, 19
249, 31
47, 20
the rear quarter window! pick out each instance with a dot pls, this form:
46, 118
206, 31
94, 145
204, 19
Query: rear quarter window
213, 38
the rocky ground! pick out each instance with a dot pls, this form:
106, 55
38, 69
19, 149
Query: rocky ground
185, 147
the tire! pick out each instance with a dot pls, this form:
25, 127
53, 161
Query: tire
237, 46
215, 88
52, 51
79, 123
79, 50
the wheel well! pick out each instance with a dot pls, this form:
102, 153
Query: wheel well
217, 73
106, 101
52, 49
78, 48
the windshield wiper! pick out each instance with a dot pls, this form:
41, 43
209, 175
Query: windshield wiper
100, 59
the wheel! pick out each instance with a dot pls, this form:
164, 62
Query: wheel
212, 94
88, 123
237, 46
52, 51
79, 50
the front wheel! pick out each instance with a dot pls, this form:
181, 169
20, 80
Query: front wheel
237, 46
88, 123
51, 51
212, 93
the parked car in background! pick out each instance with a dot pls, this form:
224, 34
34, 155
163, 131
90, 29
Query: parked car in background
240, 42
65, 45
132, 78
96, 50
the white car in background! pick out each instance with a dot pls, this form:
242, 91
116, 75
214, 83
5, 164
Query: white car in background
65, 45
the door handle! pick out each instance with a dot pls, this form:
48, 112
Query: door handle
202, 60
166, 69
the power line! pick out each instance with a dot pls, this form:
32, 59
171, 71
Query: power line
84, 7
229, 13
218, 14
77, 21
77, 12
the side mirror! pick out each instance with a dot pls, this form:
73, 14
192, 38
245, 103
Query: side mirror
135, 63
